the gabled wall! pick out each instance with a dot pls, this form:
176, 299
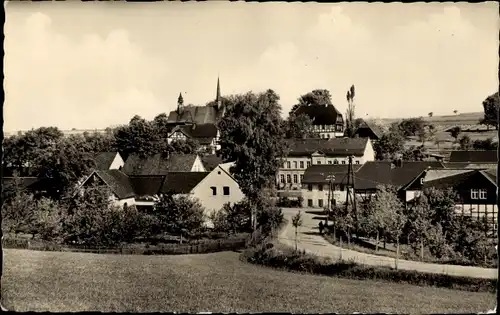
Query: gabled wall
117, 163
198, 165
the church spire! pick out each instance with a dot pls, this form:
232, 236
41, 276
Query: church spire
180, 104
218, 100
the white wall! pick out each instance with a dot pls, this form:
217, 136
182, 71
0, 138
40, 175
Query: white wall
121, 202
117, 162
316, 194
178, 135
369, 154
217, 178
198, 165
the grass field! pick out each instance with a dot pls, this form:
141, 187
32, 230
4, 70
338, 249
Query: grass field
57, 281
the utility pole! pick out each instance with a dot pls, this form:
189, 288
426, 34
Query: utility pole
330, 178
350, 176
354, 199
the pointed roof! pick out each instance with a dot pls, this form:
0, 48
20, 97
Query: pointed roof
217, 96
158, 164
103, 160
180, 99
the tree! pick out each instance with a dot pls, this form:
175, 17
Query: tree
350, 129
180, 215
412, 126
455, 132
233, 218
389, 145
430, 114
455, 112
299, 126
491, 106
297, 222
98, 142
442, 208
48, 219
316, 97
465, 143
18, 212
419, 223
486, 144
252, 137
188, 146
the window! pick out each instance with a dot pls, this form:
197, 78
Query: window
288, 165
283, 165
282, 178
294, 164
335, 162
422, 181
320, 203
341, 187
301, 164
301, 178
310, 187
474, 194
214, 191
288, 178
319, 162
295, 180
226, 191
343, 162
482, 193
357, 162
329, 161
309, 202
308, 163
320, 187
323, 127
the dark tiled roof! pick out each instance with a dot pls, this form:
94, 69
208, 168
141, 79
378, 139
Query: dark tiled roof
158, 164
320, 114
211, 161
372, 174
456, 165
491, 174
474, 156
450, 181
330, 147
195, 114
181, 182
317, 174
103, 160
24, 182
147, 185
118, 182
367, 128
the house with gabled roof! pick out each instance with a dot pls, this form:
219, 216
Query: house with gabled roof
368, 130
120, 185
206, 135
326, 119
161, 164
302, 153
108, 161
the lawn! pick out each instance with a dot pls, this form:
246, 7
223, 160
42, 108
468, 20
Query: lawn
62, 281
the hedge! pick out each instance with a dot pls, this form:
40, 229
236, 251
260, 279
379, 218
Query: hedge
200, 247
288, 259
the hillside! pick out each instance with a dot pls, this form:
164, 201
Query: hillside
446, 120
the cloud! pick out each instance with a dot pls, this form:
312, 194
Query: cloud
76, 78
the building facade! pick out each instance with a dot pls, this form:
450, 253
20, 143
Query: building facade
327, 120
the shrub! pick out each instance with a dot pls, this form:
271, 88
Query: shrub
233, 218
18, 213
286, 258
48, 219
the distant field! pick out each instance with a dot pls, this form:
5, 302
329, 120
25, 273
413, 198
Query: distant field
446, 120
62, 281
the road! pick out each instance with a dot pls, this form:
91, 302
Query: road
311, 241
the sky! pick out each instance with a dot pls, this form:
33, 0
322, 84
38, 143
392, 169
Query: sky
89, 65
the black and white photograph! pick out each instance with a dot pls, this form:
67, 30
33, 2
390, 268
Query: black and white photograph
246, 157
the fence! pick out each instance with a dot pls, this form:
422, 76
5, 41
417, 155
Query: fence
202, 247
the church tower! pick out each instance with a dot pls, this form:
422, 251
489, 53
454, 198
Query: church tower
218, 99
180, 104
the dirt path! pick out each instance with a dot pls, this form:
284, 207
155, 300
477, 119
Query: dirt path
311, 241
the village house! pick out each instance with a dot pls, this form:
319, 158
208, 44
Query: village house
197, 122
316, 184
475, 157
302, 153
213, 189
476, 190
326, 119
108, 161
368, 130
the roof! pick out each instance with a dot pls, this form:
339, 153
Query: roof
103, 160
455, 180
329, 147
434, 174
203, 133
318, 174
490, 174
490, 156
368, 126
181, 182
374, 173
195, 114
158, 164
211, 161
320, 114
147, 185
118, 182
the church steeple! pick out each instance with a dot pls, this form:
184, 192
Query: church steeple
180, 104
217, 96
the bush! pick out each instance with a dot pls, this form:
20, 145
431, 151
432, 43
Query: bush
18, 213
286, 258
233, 218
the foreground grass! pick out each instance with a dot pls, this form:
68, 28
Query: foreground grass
61, 281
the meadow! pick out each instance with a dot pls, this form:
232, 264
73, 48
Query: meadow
220, 282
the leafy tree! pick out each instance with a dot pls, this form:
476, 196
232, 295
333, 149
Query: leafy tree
455, 132
442, 208
414, 153
316, 97
233, 218
412, 126
188, 146
455, 112
491, 105
465, 143
419, 223
252, 137
98, 142
430, 114
486, 144
297, 222
299, 126
389, 145
350, 114
180, 215
18, 212
48, 219
161, 125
